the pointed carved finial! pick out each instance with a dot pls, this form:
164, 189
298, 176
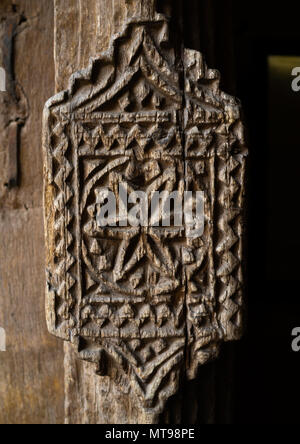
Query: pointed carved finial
141, 9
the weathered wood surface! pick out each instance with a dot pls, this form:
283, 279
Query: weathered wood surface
31, 370
91, 398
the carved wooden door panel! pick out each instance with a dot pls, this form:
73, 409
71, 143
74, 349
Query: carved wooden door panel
136, 312
147, 304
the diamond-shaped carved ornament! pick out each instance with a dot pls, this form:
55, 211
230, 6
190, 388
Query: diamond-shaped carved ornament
148, 302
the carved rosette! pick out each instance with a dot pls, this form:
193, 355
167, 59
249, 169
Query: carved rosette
146, 304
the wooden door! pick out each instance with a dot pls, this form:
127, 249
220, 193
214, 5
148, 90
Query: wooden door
44, 42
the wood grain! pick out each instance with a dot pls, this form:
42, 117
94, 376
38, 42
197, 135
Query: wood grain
31, 371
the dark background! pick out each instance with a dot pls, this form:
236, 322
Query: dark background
267, 373
257, 381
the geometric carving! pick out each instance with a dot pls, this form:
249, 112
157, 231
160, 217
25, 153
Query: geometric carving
144, 303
